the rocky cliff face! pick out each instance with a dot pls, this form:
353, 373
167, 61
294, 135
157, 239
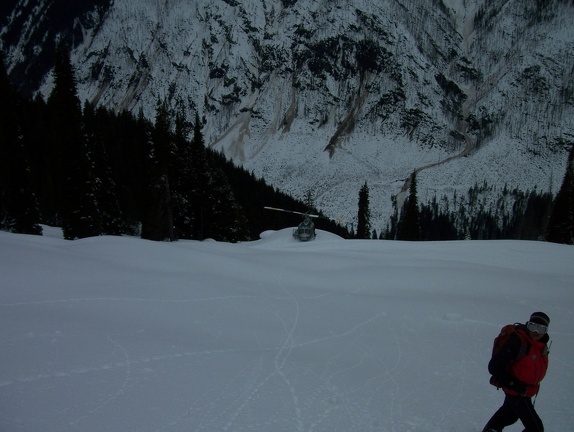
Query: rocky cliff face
324, 95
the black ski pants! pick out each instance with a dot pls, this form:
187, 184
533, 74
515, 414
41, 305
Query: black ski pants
513, 409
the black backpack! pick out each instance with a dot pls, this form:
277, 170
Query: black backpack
504, 335
499, 341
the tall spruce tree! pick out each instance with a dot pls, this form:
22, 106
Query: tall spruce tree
409, 226
182, 177
561, 224
364, 214
158, 223
45, 164
199, 183
79, 209
310, 201
225, 219
19, 210
134, 168
99, 140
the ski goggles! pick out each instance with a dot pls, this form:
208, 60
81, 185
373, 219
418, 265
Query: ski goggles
536, 328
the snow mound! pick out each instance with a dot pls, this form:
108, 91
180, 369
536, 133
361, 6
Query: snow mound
285, 237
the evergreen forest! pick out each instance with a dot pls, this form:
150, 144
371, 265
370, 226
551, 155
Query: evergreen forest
95, 172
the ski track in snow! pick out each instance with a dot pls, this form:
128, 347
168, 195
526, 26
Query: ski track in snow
256, 378
286, 350
113, 396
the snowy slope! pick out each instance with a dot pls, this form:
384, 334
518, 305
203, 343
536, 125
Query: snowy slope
122, 334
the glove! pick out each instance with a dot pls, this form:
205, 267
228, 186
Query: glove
517, 386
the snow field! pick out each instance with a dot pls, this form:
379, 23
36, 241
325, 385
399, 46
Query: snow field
124, 334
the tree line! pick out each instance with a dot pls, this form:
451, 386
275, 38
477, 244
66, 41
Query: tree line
95, 172
511, 214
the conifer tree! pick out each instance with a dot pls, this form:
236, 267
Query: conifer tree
225, 220
135, 168
409, 226
561, 224
310, 201
78, 210
158, 224
364, 214
182, 178
199, 183
18, 205
99, 137
45, 163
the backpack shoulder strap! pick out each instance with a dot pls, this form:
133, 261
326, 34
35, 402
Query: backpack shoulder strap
520, 331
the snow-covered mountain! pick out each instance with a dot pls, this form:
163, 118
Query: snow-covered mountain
323, 95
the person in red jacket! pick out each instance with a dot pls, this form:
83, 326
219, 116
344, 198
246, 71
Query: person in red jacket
518, 368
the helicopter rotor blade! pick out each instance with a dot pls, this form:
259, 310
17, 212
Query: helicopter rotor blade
290, 211
302, 214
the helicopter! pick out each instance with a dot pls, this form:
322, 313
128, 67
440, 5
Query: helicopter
305, 231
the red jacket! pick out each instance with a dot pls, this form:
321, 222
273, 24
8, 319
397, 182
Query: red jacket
531, 368
520, 365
